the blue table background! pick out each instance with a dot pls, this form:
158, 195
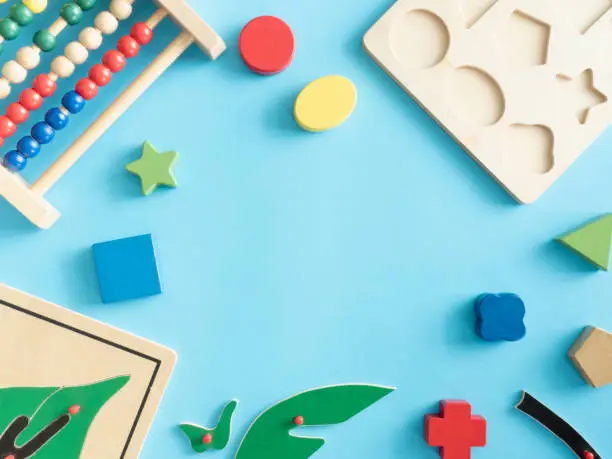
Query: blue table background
291, 260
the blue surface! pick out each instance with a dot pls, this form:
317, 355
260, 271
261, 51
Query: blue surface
126, 268
291, 260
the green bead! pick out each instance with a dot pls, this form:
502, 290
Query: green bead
9, 29
21, 14
72, 13
85, 4
45, 40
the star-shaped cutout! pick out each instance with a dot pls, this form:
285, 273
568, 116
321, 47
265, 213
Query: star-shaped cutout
582, 93
154, 168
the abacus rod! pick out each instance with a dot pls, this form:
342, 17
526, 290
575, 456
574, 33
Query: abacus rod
108, 117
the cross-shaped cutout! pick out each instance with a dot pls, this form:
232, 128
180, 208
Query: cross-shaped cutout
455, 431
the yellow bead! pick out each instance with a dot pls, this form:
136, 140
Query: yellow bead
35, 6
325, 103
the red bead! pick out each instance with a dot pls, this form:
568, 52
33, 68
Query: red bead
298, 420
128, 46
1, 141
207, 439
7, 127
74, 409
142, 33
17, 113
30, 99
86, 88
44, 85
10, 456
588, 455
100, 74
114, 60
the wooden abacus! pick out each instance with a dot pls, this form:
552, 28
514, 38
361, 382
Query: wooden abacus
29, 199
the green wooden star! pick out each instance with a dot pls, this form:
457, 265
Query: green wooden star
154, 168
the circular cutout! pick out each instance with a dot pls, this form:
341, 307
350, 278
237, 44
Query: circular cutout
266, 45
325, 103
419, 39
476, 97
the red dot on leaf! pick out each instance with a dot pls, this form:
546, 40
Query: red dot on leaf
74, 409
207, 439
298, 420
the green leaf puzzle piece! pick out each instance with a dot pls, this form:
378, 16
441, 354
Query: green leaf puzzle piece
269, 436
154, 168
220, 435
43, 405
593, 241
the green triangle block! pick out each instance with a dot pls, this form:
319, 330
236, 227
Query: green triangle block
592, 241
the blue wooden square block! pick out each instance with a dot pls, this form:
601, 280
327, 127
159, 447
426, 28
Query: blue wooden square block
127, 268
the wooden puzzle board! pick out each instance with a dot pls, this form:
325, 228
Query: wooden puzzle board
52, 346
522, 85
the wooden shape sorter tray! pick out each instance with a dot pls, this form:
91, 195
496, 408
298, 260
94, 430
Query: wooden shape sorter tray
52, 348
521, 85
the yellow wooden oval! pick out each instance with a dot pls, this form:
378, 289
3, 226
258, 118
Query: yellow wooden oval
325, 103
35, 6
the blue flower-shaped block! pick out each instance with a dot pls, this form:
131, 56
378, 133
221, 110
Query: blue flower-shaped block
500, 317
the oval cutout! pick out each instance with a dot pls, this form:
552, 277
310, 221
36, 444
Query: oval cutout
419, 39
476, 97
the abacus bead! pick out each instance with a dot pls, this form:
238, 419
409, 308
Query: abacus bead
72, 13
28, 58
73, 102
100, 74
106, 23
28, 147
5, 88
85, 4
62, 66
142, 33
9, 29
35, 6
17, 113
30, 99
57, 119
114, 60
42, 132
45, 40
121, 9
14, 72
128, 46
86, 88
21, 14
76, 52
7, 127
44, 85
14, 162
90, 38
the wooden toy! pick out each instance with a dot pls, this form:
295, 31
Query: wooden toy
325, 103
505, 78
20, 16
592, 241
203, 439
74, 388
592, 356
455, 431
126, 268
500, 317
29, 199
557, 426
270, 434
266, 45
154, 168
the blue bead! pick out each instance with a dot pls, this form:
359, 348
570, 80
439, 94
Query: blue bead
42, 132
57, 119
73, 102
14, 162
28, 147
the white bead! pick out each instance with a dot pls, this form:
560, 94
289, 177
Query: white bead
106, 23
62, 66
76, 52
5, 88
90, 38
14, 72
28, 57
121, 9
